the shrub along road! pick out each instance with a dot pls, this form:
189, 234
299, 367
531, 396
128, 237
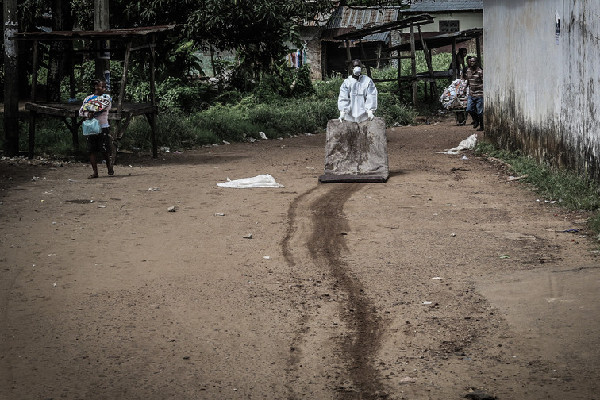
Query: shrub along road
448, 280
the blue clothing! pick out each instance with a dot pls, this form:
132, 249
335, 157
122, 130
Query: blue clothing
475, 104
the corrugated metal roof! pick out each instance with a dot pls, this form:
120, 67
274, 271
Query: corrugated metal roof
432, 6
445, 39
362, 17
377, 37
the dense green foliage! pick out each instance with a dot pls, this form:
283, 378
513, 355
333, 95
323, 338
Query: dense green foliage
273, 108
256, 30
254, 93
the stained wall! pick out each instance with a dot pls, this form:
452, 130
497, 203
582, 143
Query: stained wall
541, 76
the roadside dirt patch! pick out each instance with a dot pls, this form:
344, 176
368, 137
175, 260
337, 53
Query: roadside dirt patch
446, 280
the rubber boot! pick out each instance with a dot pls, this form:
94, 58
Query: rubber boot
480, 118
475, 119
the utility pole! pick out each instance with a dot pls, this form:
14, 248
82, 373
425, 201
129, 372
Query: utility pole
11, 79
102, 23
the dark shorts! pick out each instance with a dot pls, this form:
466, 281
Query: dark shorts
99, 143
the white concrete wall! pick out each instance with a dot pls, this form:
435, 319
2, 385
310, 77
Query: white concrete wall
541, 91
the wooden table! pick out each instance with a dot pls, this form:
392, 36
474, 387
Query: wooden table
69, 113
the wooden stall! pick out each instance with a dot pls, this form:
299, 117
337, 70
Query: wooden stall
122, 41
418, 43
409, 22
434, 42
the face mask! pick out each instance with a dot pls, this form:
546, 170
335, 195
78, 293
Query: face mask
356, 71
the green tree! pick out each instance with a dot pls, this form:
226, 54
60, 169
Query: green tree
256, 30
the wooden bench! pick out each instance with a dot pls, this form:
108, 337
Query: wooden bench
69, 113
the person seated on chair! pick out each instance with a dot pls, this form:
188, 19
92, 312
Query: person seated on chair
358, 96
97, 105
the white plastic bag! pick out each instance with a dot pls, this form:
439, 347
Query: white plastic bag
255, 182
467, 144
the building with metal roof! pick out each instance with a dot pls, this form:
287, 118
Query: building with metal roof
333, 51
451, 16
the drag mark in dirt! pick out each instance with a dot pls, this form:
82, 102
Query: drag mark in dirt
326, 246
291, 215
288, 254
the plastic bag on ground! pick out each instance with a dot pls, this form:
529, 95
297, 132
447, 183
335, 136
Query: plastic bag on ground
467, 144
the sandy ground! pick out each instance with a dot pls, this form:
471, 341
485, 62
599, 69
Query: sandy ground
447, 281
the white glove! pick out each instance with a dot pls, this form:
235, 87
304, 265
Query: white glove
342, 115
370, 115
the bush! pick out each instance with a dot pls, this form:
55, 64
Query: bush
293, 116
228, 97
225, 122
175, 130
394, 112
189, 97
284, 102
328, 89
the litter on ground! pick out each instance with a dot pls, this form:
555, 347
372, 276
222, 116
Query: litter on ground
467, 144
255, 182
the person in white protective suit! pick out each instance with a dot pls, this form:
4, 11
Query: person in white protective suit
358, 96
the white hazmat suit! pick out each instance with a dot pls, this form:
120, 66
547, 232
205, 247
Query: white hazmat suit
357, 99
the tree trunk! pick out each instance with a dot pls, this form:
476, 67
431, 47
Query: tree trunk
61, 11
102, 23
11, 79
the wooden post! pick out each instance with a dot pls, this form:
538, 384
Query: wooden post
11, 79
212, 60
323, 61
454, 60
153, 95
413, 64
73, 126
399, 56
101, 23
426, 52
34, 77
428, 60
349, 61
33, 114
120, 126
61, 12
363, 54
478, 49
123, 79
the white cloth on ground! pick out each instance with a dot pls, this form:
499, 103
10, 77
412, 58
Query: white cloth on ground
255, 182
467, 144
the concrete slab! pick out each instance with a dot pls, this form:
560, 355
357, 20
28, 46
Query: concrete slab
356, 152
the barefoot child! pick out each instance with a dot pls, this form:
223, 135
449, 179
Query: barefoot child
97, 106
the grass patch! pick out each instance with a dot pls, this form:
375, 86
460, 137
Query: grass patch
567, 188
246, 119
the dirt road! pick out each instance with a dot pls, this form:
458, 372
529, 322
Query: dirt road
446, 281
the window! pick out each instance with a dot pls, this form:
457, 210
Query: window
449, 26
